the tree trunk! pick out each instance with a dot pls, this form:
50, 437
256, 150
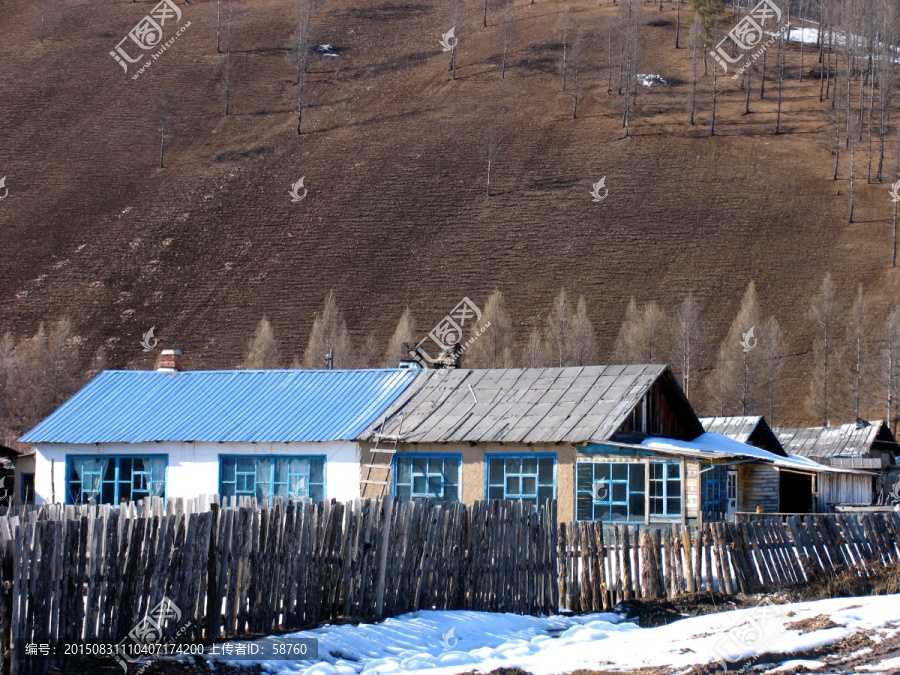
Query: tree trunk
712, 127
780, 59
489, 177
749, 73
162, 143
218, 18
565, 44
677, 24
762, 80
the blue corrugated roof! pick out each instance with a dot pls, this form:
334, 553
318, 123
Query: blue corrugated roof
262, 406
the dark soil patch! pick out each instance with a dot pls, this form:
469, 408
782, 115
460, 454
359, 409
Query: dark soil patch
651, 613
884, 581
811, 624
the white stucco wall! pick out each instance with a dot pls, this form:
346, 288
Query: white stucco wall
193, 468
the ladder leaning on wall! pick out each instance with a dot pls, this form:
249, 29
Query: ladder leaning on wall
381, 460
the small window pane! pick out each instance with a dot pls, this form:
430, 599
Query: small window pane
512, 486
529, 485
496, 474
420, 465
529, 465
403, 491
585, 475
228, 469
673, 470
618, 492
451, 493
545, 470
434, 485
673, 506
404, 467
495, 492
419, 485
656, 470
636, 505
636, 478
545, 493
601, 512
601, 471
435, 464
317, 470
619, 471
451, 470
514, 465
619, 512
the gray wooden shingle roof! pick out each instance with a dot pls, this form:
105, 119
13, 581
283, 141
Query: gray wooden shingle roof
736, 427
844, 440
752, 429
519, 405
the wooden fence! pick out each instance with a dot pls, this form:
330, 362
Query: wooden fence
239, 570
601, 566
93, 573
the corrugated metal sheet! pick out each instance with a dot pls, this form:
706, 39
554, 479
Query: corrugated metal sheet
517, 405
845, 440
736, 427
256, 406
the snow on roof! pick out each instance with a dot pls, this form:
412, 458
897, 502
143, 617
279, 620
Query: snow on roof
717, 443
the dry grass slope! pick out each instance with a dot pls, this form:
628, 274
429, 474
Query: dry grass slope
396, 212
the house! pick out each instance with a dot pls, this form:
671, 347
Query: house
174, 433
869, 449
575, 434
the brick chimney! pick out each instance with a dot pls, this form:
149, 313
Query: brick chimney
169, 360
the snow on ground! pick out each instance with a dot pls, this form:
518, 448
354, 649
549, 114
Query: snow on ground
449, 642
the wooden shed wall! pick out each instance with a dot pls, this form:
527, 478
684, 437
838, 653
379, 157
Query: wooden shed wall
758, 486
843, 488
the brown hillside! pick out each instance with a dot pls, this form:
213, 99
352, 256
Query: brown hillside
396, 212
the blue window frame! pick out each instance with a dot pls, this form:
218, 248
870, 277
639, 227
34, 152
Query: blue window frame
427, 476
715, 491
264, 477
615, 491
531, 478
665, 489
610, 491
93, 479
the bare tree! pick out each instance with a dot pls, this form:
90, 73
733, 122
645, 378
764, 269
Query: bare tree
564, 27
229, 32
583, 343
860, 348
42, 4
404, 333
262, 352
165, 112
98, 362
773, 355
780, 66
578, 55
533, 354
456, 19
631, 47
558, 333
493, 347
62, 363
7, 378
644, 335
300, 56
507, 33
329, 340
892, 365
825, 314
490, 152
218, 25
738, 379
688, 338
695, 42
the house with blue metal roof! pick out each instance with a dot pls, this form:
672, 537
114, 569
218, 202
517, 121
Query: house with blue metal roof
173, 433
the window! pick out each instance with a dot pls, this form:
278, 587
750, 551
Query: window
610, 491
114, 480
614, 491
715, 491
295, 477
434, 477
531, 478
27, 488
665, 489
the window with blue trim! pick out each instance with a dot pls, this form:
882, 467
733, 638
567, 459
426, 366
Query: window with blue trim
427, 477
615, 491
609, 491
113, 480
531, 478
665, 489
294, 477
